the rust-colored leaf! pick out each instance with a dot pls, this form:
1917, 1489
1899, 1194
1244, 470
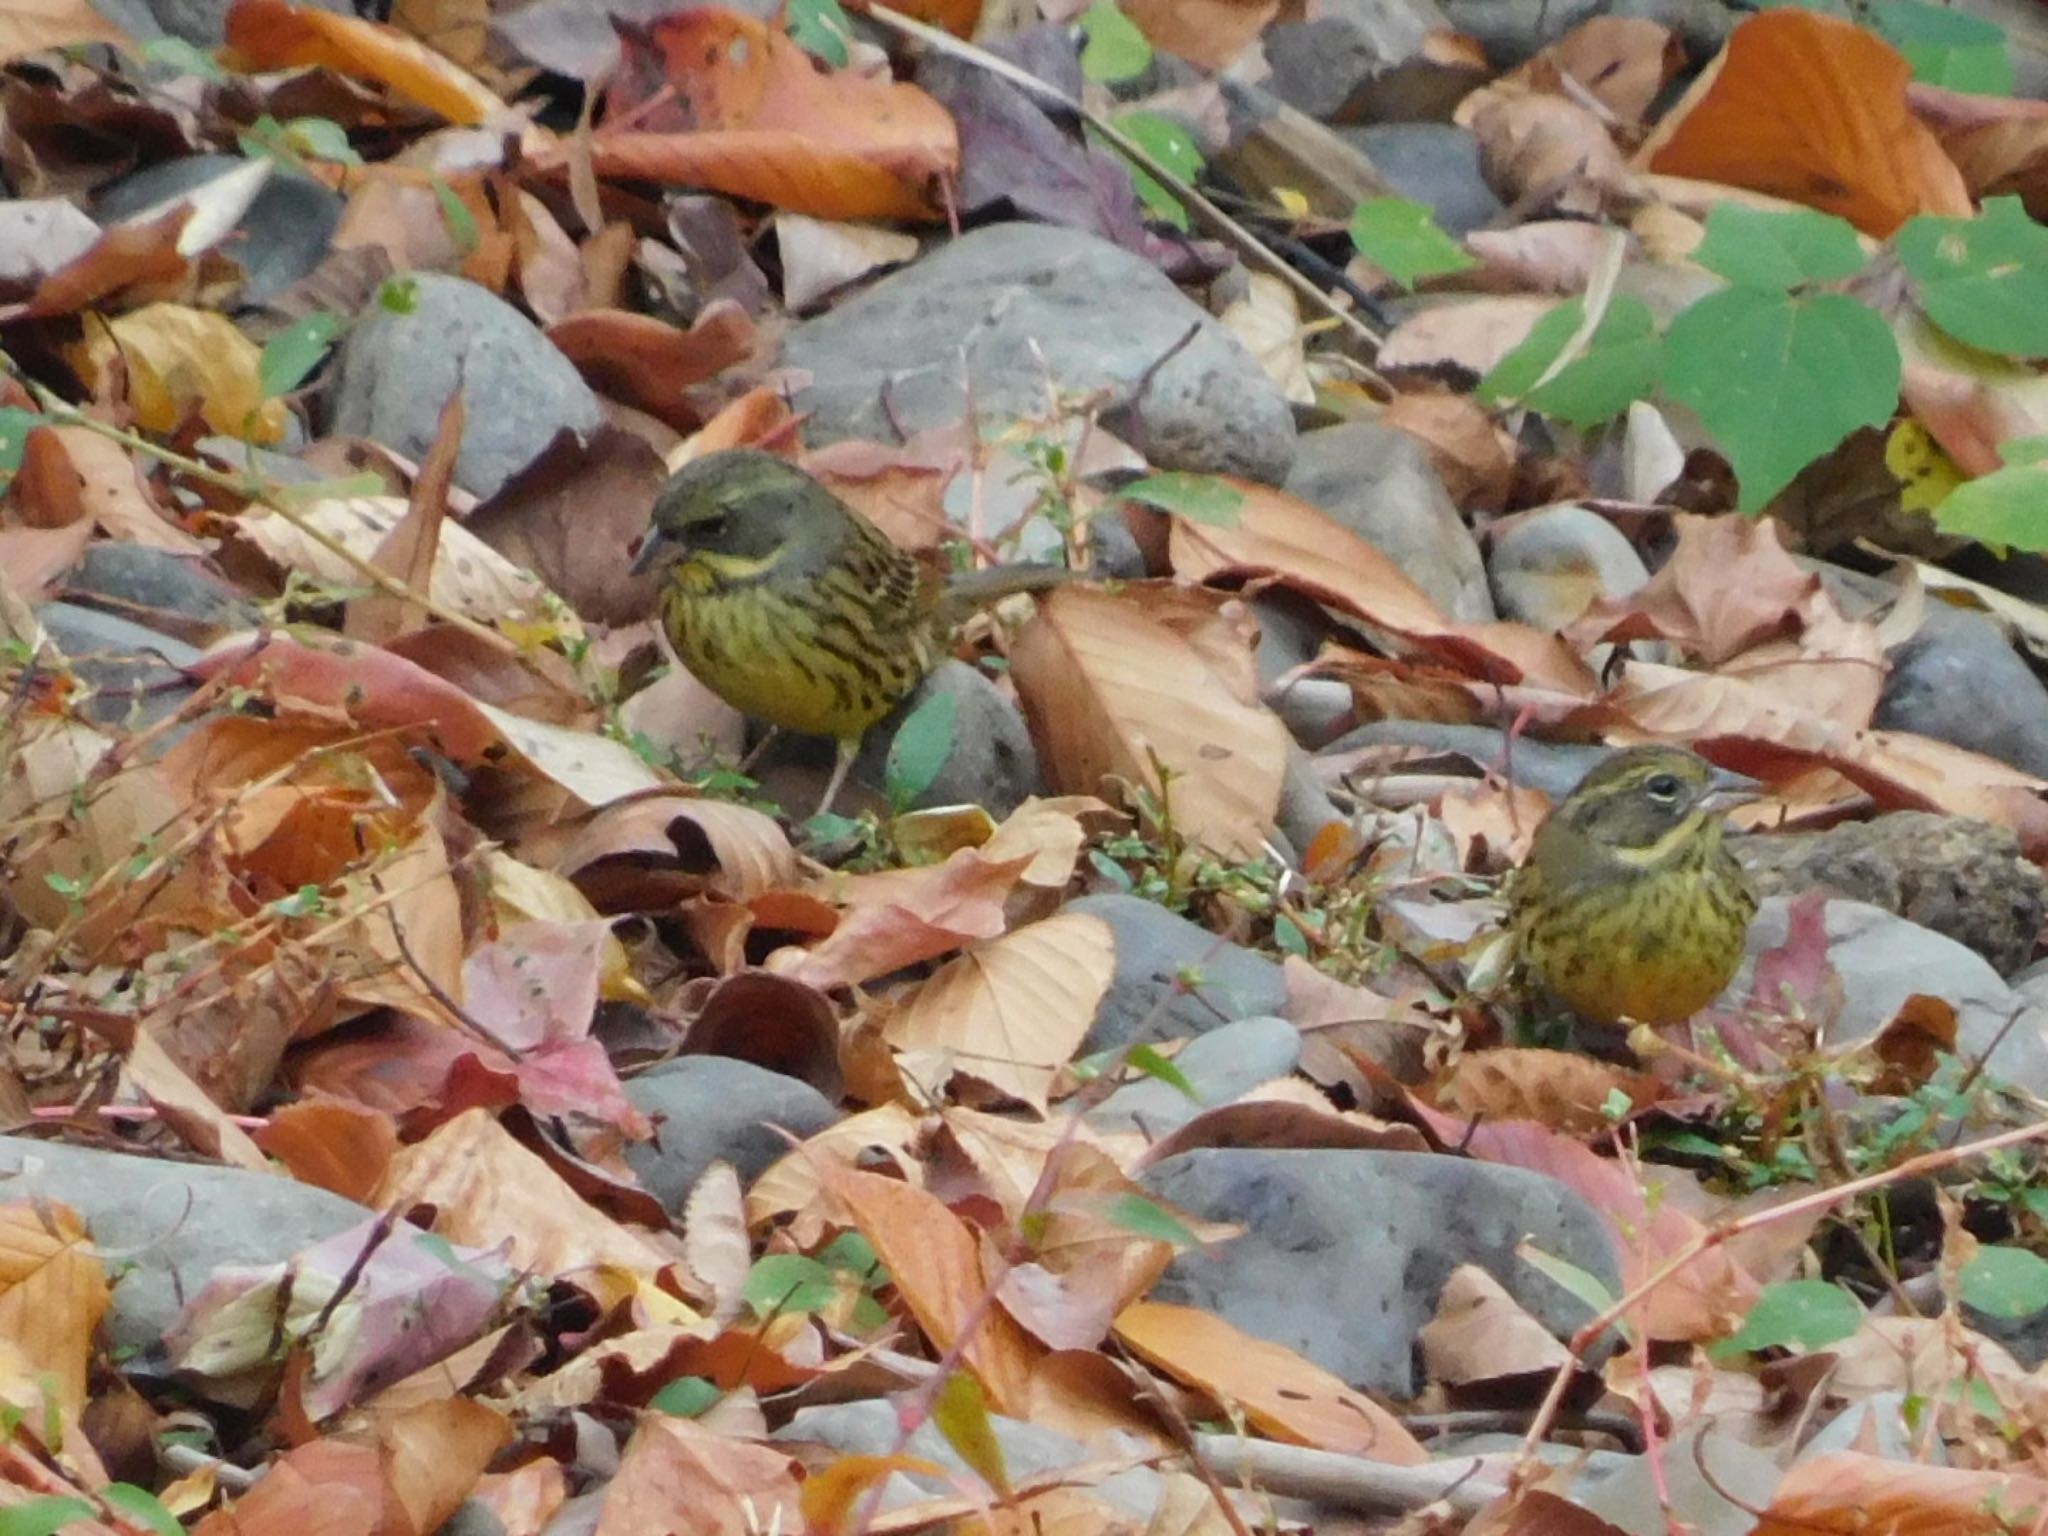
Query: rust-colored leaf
1813, 109
271, 34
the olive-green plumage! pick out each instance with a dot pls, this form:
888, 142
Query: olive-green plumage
793, 607
1630, 906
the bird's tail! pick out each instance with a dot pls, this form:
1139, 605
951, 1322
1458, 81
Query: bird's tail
967, 591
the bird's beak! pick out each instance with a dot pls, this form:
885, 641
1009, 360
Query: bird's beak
654, 548
1728, 790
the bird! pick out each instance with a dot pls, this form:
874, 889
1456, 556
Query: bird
796, 609
1630, 906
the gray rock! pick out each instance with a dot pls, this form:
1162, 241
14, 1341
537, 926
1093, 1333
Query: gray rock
279, 239
397, 371
1436, 164
1305, 804
992, 762
135, 672
1378, 482
1551, 565
1220, 1066
1882, 960
1362, 61
1315, 710
1019, 300
710, 1107
1511, 30
1292, 629
1173, 978
1382, 1231
1965, 879
139, 576
179, 1222
1958, 681
870, 1427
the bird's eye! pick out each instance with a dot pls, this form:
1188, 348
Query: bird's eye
1662, 787
710, 530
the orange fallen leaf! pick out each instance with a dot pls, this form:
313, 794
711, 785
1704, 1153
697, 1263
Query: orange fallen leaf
271, 34
1281, 1393
1815, 110
712, 98
1846, 1492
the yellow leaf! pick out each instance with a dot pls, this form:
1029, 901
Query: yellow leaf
177, 360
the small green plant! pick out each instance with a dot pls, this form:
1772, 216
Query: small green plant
290, 356
821, 28
1403, 239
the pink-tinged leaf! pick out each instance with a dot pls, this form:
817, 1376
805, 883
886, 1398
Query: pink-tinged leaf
413, 1300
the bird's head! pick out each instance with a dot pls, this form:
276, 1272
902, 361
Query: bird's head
1642, 804
734, 516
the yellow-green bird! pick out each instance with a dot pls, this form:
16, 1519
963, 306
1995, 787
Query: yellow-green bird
1630, 906
793, 607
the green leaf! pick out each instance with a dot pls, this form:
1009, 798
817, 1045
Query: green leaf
686, 1397
187, 59
820, 27
961, 1413
2007, 508
1134, 1213
1582, 1283
295, 351
398, 295
1146, 1059
1758, 248
456, 215
788, 1282
856, 1255
1946, 46
323, 139
1198, 498
142, 1507
1983, 280
2006, 1282
923, 743
1167, 142
15, 426
1618, 367
1810, 1314
44, 1515
1116, 49
1403, 239
1780, 380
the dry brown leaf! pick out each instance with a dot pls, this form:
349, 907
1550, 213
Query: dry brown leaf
486, 1190
936, 1264
30, 26
681, 1478
271, 34
1846, 1492
1207, 33
1569, 1093
331, 1145
53, 1293
1115, 694
718, 99
794, 1184
1813, 109
1282, 536
1281, 1393
1480, 1333
898, 917
469, 577
1009, 1013
431, 1457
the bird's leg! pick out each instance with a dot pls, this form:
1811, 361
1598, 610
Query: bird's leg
754, 752
848, 746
